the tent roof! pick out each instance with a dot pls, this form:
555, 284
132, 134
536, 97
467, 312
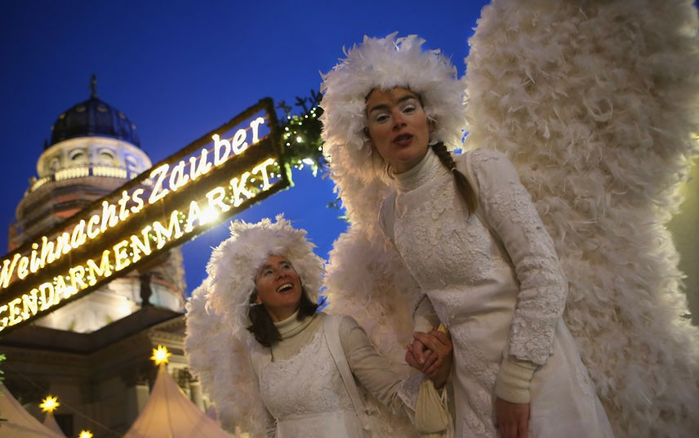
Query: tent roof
50, 422
170, 414
20, 423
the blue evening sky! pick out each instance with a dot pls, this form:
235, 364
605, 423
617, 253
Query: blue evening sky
180, 68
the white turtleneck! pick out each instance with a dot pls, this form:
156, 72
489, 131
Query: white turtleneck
428, 168
294, 335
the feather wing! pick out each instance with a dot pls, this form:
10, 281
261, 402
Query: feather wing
221, 362
596, 103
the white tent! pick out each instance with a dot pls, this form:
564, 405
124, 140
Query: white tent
20, 423
50, 422
170, 414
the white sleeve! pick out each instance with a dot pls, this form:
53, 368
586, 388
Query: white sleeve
511, 215
375, 373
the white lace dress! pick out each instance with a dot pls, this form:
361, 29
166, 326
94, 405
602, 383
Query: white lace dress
306, 395
301, 387
498, 296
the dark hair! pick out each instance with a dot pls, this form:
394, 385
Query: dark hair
262, 326
462, 185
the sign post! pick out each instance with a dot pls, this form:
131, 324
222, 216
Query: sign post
213, 178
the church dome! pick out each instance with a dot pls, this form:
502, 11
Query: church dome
91, 118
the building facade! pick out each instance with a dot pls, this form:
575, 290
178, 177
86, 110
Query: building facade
93, 353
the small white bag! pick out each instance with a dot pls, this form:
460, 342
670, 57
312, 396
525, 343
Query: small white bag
432, 418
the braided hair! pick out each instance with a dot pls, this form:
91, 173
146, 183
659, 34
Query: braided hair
462, 185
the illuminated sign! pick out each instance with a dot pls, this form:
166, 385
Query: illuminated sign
213, 178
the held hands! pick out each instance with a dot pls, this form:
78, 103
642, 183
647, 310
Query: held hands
431, 354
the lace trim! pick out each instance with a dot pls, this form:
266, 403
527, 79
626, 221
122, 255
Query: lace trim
479, 420
316, 386
408, 392
434, 236
543, 287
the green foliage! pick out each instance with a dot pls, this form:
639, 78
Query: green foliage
301, 139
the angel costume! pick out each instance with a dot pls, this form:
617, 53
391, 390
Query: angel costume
302, 388
492, 276
495, 282
304, 384
595, 104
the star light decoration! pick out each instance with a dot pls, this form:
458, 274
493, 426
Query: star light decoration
160, 355
85, 434
49, 404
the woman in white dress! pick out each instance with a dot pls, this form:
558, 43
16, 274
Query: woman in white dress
467, 231
272, 363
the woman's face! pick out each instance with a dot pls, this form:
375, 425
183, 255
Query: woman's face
398, 127
278, 288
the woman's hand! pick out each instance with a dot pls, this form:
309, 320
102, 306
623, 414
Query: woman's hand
419, 356
512, 419
438, 363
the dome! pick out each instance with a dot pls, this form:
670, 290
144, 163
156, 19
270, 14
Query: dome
93, 117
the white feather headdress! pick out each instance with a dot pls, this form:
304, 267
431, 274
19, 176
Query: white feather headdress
217, 344
383, 63
386, 63
235, 262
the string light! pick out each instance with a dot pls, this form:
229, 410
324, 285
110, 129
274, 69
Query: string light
302, 139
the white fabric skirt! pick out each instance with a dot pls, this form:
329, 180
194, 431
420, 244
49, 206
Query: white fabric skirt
337, 424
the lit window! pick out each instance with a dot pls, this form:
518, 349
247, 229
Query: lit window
106, 156
78, 155
131, 162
